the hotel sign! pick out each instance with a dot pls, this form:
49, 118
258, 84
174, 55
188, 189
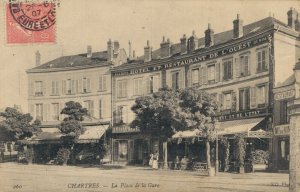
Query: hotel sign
284, 95
282, 130
242, 115
196, 59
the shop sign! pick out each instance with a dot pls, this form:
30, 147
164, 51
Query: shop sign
196, 59
242, 114
284, 95
282, 130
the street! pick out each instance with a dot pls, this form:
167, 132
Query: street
35, 178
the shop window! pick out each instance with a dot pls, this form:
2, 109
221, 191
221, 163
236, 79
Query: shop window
244, 99
211, 74
122, 88
195, 76
227, 70
261, 57
38, 88
244, 66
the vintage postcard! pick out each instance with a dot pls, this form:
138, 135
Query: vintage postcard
128, 95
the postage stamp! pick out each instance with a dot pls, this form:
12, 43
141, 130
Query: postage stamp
30, 22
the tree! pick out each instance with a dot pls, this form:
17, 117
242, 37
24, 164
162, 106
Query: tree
71, 126
17, 125
197, 110
168, 111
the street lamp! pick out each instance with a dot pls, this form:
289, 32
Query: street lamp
217, 127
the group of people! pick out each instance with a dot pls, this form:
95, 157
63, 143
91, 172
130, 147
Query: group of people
153, 161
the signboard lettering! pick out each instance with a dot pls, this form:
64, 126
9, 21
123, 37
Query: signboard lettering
282, 129
284, 95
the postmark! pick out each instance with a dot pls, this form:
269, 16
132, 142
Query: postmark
30, 22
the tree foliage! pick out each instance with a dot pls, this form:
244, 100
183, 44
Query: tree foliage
17, 125
74, 111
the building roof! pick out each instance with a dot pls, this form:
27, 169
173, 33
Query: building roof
219, 39
99, 59
73, 62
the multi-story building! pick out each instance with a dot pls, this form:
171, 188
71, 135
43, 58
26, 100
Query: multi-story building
239, 67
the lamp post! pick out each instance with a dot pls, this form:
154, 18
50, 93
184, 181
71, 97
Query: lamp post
217, 127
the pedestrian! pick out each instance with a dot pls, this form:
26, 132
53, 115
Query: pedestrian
151, 159
155, 160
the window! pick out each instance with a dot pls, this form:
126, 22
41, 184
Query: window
86, 85
211, 74
244, 99
195, 76
138, 86
121, 114
284, 118
69, 86
39, 111
227, 101
103, 83
227, 66
122, 88
261, 61
175, 80
153, 84
89, 105
261, 95
38, 88
244, 65
54, 90
55, 111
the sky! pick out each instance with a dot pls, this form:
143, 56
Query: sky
92, 22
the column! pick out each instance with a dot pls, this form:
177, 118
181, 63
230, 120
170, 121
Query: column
294, 176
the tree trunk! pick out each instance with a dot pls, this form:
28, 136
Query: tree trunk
165, 151
209, 168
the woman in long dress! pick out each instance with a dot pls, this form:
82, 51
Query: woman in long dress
155, 161
151, 160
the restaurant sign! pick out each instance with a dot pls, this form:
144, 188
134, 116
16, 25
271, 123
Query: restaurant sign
284, 95
282, 130
196, 59
242, 114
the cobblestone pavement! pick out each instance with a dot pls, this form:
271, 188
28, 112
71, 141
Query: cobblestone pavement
44, 178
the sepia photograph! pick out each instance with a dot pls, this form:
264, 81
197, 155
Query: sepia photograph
154, 96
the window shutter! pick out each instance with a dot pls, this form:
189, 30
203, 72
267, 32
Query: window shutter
88, 84
155, 83
61, 106
204, 75
247, 67
217, 66
221, 101
31, 88
44, 107
237, 66
76, 86
148, 83
100, 83
80, 86
57, 87
48, 112
44, 88
181, 80
266, 94
173, 80
233, 101
92, 108
253, 97
200, 76
104, 82
53, 88
64, 86
73, 86
100, 109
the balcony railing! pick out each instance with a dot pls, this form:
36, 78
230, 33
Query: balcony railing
38, 94
124, 129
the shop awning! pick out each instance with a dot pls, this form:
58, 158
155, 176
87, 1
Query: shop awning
238, 126
242, 126
92, 134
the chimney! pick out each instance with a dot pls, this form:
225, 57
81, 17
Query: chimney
116, 46
238, 30
209, 37
110, 50
192, 43
129, 50
292, 16
89, 51
133, 54
183, 44
165, 48
37, 58
147, 53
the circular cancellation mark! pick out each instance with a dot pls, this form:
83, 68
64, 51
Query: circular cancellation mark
33, 16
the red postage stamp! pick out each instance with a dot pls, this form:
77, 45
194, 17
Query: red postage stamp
30, 22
